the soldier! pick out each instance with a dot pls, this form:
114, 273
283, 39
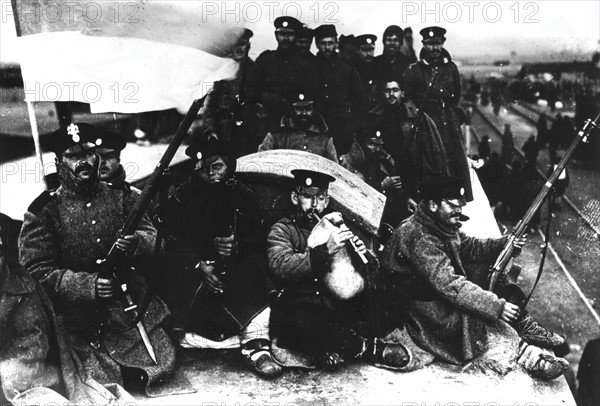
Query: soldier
439, 96
341, 97
364, 66
307, 316
391, 64
304, 130
284, 73
450, 314
216, 261
108, 147
348, 51
304, 38
230, 111
64, 236
381, 173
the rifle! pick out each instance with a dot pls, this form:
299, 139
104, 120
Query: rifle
111, 265
498, 270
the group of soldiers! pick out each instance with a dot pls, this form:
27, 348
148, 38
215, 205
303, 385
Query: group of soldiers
305, 291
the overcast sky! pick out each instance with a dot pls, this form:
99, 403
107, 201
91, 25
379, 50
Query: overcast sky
484, 29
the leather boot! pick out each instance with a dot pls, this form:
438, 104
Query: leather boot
257, 355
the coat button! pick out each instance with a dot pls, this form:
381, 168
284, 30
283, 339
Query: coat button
88, 205
304, 147
93, 222
317, 293
316, 280
98, 240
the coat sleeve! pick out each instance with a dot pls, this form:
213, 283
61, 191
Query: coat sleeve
145, 231
480, 249
39, 253
267, 144
435, 266
286, 262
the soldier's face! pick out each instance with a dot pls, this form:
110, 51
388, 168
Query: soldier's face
285, 39
303, 115
434, 49
110, 160
239, 51
303, 43
81, 160
366, 53
309, 201
327, 46
373, 148
392, 92
213, 169
408, 39
391, 44
448, 211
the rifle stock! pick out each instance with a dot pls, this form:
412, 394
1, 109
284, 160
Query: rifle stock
498, 270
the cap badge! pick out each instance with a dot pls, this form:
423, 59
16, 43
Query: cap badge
99, 142
73, 131
431, 33
300, 96
462, 191
369, 40
284, 24
199, 155
308, 181
378, 134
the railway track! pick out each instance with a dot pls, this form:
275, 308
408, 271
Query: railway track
532, 116
566, 245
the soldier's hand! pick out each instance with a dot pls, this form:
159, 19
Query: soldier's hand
128, 244
518, 244
510, 312
338, 239
360, 245
105, 288
224, 245
210, 277
392, 183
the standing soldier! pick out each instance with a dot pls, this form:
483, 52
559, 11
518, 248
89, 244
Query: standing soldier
434, 84
304, 39
364, 66
341, 97
283, 73
65, 236
230, 110
304, 129
391, 64
108, 147
407, 48
217, 271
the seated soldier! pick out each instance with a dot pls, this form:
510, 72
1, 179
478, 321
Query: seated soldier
304, 129
308, 316
65, 236
449, 314
381, 173
217, 276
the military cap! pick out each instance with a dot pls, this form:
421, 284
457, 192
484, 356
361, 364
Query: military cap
208, 148
393, 30
325, 31
433, 34
374, 136
444, 187
286, 23
305, 32
302, 101
110, 139
311, 179
365, 40
346, 39
72, 134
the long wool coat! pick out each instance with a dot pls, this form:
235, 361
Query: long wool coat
63, 235
448, 312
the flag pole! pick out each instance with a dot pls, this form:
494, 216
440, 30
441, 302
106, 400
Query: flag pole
36, 137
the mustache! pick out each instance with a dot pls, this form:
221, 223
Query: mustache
84, 166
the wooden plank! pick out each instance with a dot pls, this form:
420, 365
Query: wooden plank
350, 195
